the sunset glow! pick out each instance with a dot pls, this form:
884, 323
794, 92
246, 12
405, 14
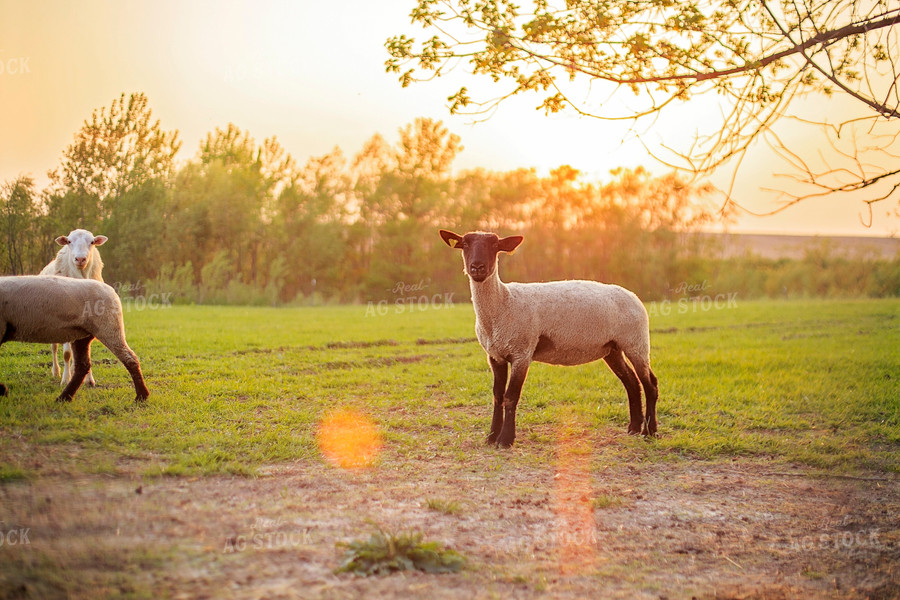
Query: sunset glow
312, 74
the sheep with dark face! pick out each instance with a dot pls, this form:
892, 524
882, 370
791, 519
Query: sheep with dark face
78, 258
561, 323
48, 309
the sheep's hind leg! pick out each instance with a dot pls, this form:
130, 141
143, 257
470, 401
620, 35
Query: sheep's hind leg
651, 390
81, 353
641, 364
616, 361
120, 349
519, 370
501, 372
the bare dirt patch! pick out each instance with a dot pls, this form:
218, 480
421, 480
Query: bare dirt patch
686, 529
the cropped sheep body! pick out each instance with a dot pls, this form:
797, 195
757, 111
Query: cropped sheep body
51, 309
57, 309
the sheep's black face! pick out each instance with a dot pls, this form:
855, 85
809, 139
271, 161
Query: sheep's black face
480, 251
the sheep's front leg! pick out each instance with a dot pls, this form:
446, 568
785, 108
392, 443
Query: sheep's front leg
500, 368
81, 352
67, 368
518, 372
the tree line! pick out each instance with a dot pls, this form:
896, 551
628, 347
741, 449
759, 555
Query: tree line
240, 222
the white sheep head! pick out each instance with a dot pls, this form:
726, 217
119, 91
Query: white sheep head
81, 243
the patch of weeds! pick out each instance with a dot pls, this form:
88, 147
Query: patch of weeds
811, 574
385, 552
448, 507
11, 473
607, 501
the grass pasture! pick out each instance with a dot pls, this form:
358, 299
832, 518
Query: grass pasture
776, 473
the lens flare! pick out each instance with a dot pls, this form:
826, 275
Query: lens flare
349, 439
576, 533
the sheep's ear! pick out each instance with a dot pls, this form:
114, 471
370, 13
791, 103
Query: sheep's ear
509, 244
62, 240
450, 238
99, 240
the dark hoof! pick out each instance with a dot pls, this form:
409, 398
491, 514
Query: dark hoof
140, 399
492, 439
634, 429
649, 431
506, 442
63, 398
4, 391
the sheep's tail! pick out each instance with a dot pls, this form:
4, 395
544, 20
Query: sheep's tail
638, 353
636, 341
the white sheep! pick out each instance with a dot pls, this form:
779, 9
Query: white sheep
561, 323
77, 258
49, 309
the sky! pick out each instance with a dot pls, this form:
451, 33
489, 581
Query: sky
312, 74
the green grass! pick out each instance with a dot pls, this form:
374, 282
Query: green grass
234, 388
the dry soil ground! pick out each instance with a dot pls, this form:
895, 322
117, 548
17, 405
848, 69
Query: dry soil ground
686, 529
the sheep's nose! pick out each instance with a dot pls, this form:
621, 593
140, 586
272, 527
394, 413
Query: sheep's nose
477, 268
80, 260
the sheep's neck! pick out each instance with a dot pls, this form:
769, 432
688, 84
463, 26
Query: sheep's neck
489, 298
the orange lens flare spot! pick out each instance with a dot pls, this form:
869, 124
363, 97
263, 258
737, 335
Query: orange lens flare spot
349, 439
